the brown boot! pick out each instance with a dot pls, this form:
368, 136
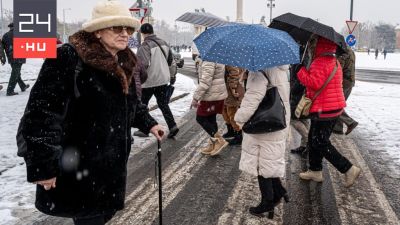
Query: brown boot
209, 148
220, 144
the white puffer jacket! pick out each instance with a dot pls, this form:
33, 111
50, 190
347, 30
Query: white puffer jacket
263, 154
211, 82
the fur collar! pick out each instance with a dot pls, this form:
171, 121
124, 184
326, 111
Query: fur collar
92, 52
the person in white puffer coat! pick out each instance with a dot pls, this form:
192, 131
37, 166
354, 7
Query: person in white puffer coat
263, 154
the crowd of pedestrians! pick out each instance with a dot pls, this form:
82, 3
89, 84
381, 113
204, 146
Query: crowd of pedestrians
80, 112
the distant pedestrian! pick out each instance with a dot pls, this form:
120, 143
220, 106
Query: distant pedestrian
376, 53
77, 126
368, 51
2, 59
209, 100
16, 64
156, 56
263, 155
384, 54
324, 112
348, 62
232, 103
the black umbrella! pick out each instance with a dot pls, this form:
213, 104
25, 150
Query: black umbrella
301, 29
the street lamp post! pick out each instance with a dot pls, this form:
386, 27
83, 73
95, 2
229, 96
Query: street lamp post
351, 10
270, 5
64, 38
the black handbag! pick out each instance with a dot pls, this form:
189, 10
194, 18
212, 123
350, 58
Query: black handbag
270, 114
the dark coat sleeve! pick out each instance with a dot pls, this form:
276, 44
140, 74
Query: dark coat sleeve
45, 112
170, 56
143, 120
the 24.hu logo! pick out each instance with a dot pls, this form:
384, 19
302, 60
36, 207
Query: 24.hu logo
35, 31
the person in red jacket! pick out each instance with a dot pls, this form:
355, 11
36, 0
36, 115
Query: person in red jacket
324, 112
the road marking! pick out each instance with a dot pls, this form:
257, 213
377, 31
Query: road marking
143, 204
364, 202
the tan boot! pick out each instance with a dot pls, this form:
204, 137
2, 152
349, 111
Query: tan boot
312, 175
209, 148
351, 176
220, 144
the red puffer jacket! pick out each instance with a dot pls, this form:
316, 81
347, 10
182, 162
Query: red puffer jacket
330, 101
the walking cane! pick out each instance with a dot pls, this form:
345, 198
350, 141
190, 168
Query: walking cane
161, 133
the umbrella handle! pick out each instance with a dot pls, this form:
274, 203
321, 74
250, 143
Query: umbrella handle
304, 52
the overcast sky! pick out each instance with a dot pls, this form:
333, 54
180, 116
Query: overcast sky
330, 12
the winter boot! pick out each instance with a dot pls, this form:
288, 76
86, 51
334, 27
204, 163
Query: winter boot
351, 176
351, 127
11, 93
279, 191
173, 131
230, 133
237, 140
219, 145
24, 88
300, 150
312, 175
267, 196
209, 148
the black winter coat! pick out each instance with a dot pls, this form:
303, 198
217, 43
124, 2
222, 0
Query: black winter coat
7, 43
85, 142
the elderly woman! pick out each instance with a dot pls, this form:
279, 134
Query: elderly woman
263, 154
77, 125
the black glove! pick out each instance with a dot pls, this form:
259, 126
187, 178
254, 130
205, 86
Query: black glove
172, 81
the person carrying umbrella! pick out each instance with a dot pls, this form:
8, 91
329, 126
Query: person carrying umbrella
324, 112
259, 50
263, 155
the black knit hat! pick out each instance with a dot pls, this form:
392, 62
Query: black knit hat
11, 25
146, 28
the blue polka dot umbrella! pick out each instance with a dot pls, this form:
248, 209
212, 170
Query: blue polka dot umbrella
249, 46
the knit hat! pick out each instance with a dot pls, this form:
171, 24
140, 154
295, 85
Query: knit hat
110, 13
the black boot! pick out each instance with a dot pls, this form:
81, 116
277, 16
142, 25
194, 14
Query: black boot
267, 196
237, 140
300, 150
279, 191
230, 133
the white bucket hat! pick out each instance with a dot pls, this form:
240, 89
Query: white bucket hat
108, 14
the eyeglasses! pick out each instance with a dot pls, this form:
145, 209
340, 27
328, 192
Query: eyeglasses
119, 29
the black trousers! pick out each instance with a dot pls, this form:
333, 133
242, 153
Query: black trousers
208, 123
15, 77
160, 93
344, 118
320, 147
98, 220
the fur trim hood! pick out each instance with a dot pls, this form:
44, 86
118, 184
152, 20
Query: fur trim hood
93, 53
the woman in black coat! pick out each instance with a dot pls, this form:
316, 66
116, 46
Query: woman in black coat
77, 128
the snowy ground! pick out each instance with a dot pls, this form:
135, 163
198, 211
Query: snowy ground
376, 107
365, 61
16, 195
